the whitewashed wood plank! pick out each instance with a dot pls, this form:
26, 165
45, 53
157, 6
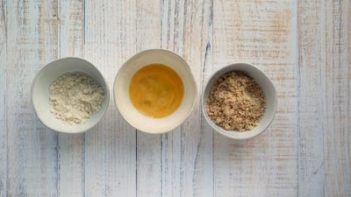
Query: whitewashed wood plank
32, 148
148, 165
187, 151
263, 166
110, 148
324, 94
71, 147
311, 105
197, 137
337, 76
148, 31
185, 157
71, 28
262, 33
3, 101
172, 24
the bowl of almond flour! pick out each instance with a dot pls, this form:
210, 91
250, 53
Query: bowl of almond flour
70, 95
239, 101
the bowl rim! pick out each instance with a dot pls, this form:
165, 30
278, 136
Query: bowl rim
186, 116
107, 95
222, 131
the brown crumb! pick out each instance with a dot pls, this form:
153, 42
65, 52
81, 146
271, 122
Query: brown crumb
236, 102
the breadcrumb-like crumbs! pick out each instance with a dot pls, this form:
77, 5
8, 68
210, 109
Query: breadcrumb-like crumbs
75, 97
236, 102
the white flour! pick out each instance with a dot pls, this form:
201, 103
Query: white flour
74, 97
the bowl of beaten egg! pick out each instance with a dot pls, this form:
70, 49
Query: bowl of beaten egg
155, 91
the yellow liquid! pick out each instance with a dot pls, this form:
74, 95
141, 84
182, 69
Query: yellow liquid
156, 90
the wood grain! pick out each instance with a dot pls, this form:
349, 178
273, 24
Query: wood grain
303, 46
324, 98
336, 95
110, 148
311, 132
71, 148
172, 21
195, 137
186, 151
148, 158
3, 101
32, 148
261, 33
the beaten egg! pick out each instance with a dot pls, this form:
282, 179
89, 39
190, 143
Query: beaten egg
156, 90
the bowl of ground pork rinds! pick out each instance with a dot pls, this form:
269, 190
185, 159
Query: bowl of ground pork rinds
239, 101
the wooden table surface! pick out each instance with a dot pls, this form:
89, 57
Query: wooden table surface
303, 46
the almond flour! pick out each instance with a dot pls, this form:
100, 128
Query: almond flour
74, 97
236, 102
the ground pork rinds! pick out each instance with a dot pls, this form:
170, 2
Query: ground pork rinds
236, 102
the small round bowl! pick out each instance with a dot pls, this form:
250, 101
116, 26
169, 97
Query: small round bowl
270, 97
40, 93
127, 109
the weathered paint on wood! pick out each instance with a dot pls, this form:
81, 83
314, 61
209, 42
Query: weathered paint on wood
324, 98
303, 46
262, 33
3, 122
110, 148
32, 157
71, 149
149, 152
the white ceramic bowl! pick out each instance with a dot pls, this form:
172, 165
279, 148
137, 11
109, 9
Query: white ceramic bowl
269, 93
131, 114
40, 93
